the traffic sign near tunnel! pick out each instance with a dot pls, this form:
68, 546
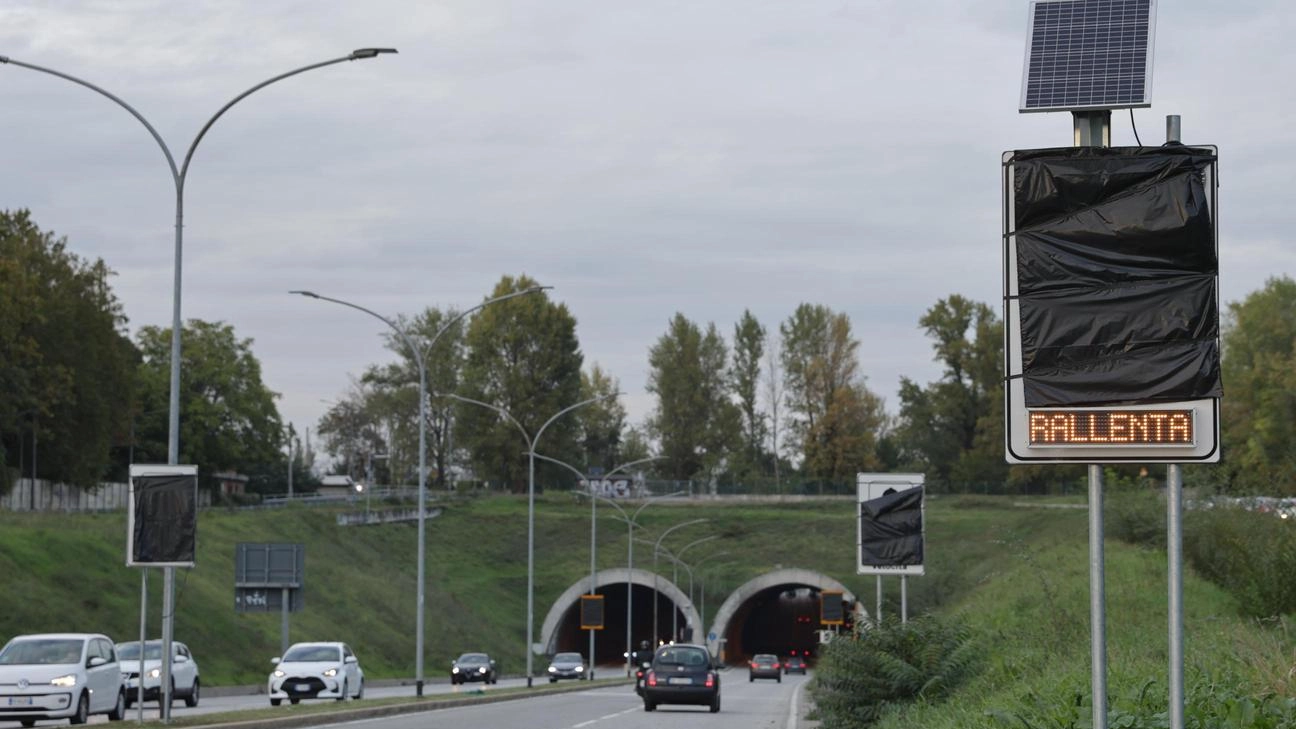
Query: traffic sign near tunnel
1111, 305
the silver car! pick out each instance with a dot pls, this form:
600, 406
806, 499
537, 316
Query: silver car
316, 671
60, 676
184, 672
567, 665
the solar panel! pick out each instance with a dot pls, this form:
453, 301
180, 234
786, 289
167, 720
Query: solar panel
1088, 54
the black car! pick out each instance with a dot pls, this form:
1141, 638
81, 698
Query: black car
794, 664
473, 667
682, 674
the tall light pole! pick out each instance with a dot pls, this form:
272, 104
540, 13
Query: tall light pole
656, 549
702, 584
422, 475
631, 523
679, 560
531, 459
594, 498
178, 175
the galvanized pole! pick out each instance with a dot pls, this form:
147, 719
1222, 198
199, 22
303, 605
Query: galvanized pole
139, 713
1097, 600
877, 615
593, 585
1174, 548
904, 598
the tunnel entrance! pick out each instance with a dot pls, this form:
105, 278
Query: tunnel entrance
776, 620
777, 613
675, 616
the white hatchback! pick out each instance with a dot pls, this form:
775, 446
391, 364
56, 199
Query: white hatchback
316, 671
184, 672
60, 676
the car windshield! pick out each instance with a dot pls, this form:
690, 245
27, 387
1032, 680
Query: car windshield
48, 651
674, 656
131, 652
568, 658
311, 653
765, 658
473, 659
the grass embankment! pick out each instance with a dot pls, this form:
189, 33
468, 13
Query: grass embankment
63, 572
1030, 618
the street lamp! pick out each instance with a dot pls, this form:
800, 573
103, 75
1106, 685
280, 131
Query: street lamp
422, 477
178, 178
656, 549
531, 441
679, 560
631, 523
593, 515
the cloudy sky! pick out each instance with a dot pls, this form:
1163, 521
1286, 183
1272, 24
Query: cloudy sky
643, 158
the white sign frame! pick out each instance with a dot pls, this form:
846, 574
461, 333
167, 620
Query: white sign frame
147, 469
1017, 447
870, 486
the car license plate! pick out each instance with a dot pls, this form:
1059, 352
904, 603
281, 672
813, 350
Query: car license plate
680, 681
20, 701
302, 687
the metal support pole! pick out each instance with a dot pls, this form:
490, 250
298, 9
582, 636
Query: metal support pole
1174, 553
168, 613
877, 615
139, 712
904, 598
629, 597
1097, 600
593, 585
530, 559
284, 597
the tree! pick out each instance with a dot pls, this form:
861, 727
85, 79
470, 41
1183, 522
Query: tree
953, 428
695, 423
228, 419
397, 402
352, 430
601, 423
744, 380
66, 363
836, 417
523, 357
1258, 414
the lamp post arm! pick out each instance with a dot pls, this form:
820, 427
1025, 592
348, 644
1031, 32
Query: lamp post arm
526, 436
418, 355
460, 316
694, 543
175, 174
570, 408
353, 56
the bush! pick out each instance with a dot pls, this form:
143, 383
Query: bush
1252, 555
1137, 517
887, 664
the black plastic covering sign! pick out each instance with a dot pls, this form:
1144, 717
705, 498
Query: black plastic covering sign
1117, 273
164, 519
891, 529
591, 612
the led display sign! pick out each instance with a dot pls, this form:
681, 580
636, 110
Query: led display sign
1110, 427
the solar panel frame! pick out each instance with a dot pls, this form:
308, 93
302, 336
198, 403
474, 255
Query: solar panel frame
1100, 67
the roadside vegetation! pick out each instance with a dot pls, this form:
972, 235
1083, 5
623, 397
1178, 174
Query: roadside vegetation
1029, 623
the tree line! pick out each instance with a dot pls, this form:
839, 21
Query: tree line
783, 404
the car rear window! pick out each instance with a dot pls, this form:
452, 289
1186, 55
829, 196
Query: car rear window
692, 657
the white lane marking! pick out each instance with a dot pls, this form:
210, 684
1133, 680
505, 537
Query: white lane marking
584, 723
793, 714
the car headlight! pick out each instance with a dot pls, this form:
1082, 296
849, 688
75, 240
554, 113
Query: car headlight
481, 670
579, 669
155, 673
454, 670
553, 670
330, 673
278, 673
67, 681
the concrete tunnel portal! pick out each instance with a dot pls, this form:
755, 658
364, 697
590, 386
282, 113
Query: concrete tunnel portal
774, 613
675, 615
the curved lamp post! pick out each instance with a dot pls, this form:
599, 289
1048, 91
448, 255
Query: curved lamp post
677, 561
593, 516
631, 523
656, 549
422, 476
178, 177
530, 441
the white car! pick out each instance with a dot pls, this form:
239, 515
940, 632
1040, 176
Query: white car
60, 676
184, 672
316, 671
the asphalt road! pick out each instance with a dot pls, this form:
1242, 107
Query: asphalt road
744, 705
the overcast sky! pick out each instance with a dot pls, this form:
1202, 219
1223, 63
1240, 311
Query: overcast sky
643, 158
